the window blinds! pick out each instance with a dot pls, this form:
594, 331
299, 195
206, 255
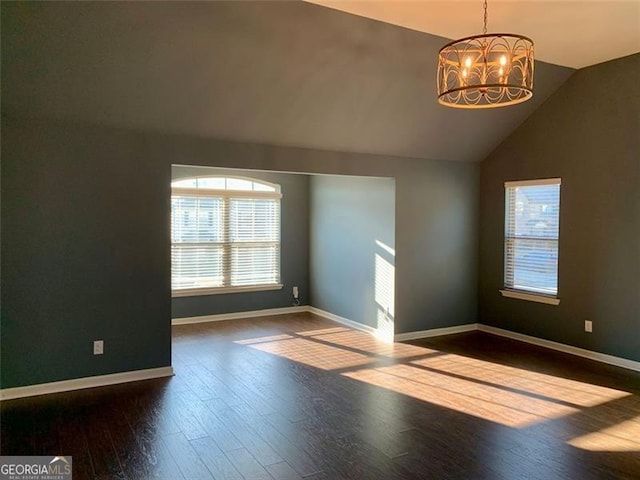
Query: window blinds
224, 239
532, 213
254, 227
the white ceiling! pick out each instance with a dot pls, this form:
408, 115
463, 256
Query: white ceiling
574, 33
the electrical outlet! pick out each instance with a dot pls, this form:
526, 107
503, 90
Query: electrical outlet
295, 292
98, 347
588, 326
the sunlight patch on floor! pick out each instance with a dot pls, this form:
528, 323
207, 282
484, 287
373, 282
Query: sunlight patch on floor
323, 331
503, 394
313, 354
271, 338
622, 437
540, 384
365, 342
489, 403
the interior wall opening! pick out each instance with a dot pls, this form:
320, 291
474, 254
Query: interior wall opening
247, 240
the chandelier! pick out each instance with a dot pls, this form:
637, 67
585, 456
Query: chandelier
486, 71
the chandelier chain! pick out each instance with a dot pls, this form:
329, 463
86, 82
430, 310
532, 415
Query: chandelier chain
484, 30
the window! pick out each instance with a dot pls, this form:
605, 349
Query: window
532, 213
225, 235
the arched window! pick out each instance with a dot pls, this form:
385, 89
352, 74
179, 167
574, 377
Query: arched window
225, 235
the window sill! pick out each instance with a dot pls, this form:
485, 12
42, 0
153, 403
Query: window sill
532, 297
193, 292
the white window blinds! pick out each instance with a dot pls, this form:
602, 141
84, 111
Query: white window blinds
254, 226
224, 238
532, 214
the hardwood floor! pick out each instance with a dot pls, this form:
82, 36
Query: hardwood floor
297, 396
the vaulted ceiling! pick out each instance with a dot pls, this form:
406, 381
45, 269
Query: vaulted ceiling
287, 73
574, 33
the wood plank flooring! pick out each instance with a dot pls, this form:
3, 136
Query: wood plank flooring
297, 396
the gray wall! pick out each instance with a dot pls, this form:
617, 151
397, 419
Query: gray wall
294, 238
84, 254
85, 245
352, 275
588, 133
273, 72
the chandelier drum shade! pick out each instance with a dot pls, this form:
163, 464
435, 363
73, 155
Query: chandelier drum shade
485, 71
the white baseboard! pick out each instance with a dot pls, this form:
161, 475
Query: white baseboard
87, 382
236, 315
378, 333
435, 332
561, 347
281, 311
136, 375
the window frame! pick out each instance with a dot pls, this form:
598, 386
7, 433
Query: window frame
227, 195
520, 293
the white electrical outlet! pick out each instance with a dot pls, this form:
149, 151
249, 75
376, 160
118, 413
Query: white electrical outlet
295, 292
98, 347
588, 326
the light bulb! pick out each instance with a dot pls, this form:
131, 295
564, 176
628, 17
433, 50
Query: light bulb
464, 73
467, 62
503, 60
